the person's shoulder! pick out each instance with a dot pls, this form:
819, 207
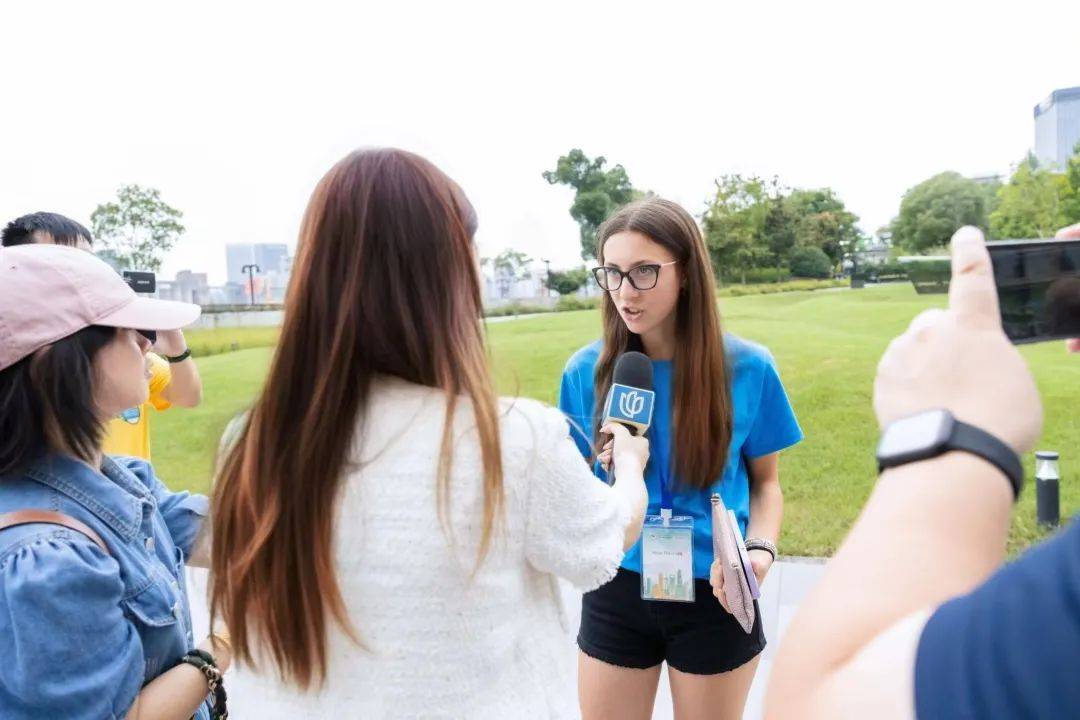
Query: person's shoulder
745, 353
585, 359
137, 466
531, 423
44, 553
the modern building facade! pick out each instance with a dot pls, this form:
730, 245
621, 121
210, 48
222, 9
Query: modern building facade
1057, 127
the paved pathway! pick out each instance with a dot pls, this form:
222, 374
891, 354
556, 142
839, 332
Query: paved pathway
787, 584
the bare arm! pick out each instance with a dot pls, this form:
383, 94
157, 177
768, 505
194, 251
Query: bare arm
178, 693
185, 387
631, 455
766, 508
892, 565
931, 530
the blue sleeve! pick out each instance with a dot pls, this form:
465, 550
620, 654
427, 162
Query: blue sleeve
68, 650
571, 402
1011, 648
775, 426
183, 512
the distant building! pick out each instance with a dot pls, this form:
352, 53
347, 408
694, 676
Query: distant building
1057, 127
501, 288
265, 285
875, 252
270, 257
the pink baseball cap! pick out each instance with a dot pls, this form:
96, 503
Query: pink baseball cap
48, 292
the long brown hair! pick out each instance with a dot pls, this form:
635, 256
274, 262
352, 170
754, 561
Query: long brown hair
702, 398
385, 282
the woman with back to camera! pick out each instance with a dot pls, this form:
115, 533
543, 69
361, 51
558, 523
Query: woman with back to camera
721, 419
386, 532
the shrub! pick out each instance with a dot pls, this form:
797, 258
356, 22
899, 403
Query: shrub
572, 302
810, 262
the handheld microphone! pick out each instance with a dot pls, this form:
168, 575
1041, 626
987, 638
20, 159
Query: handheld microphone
631, 397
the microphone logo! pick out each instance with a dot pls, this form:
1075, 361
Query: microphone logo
632, 403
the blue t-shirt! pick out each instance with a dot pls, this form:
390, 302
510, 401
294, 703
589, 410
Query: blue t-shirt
764, 423
1011, 648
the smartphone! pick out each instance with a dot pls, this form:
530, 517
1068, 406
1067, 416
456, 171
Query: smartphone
141, 282
1038, 284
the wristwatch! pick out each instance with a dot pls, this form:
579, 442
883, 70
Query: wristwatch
936, 432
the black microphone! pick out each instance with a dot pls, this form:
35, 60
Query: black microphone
631, 397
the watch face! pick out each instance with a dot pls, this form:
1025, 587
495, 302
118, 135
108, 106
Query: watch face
918, 435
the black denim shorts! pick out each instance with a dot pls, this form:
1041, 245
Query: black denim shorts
619, 628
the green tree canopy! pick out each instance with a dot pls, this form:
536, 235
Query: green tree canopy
597, 192
750, 222
567, 281
1033, 204
734, 223
934, 209
822, 221
809, 261
138, 229
1071, 203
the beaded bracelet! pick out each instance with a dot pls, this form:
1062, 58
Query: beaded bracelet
762, 544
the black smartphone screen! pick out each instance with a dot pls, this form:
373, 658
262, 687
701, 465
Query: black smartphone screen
141, 282
1038, 284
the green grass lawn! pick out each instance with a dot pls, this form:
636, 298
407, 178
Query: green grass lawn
827, 345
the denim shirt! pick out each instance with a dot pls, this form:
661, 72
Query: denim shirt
82, 631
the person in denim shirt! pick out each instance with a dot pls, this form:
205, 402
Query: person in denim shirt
88, 629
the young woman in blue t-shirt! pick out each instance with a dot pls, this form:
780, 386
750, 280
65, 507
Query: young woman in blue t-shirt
720, 419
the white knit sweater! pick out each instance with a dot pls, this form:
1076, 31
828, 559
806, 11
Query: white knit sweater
438, 645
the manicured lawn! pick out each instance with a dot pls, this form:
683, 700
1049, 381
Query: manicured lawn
827, 345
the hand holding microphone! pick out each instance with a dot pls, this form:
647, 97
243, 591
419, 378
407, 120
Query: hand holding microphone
627, 414
630, 453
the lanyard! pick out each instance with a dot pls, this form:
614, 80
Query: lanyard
666, 502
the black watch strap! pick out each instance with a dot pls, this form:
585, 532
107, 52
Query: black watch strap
968, 438
179, 358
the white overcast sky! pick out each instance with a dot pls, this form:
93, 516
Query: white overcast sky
234, 110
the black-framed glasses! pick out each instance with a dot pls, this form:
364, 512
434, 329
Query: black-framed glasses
642, 277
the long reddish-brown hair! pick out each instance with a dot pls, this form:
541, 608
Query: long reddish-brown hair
385, 282
702, 398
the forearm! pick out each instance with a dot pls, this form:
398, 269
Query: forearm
766, 508
930, 531
630, 483
173, 695
185, 387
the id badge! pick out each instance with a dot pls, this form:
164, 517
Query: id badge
667, 559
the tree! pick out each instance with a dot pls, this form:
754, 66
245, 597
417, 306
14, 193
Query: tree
810, 262
822, 221
1033, 204
138, 229
734, 223
510, 266
780, 230
568, 281
598, 192
1070, 206
934, 209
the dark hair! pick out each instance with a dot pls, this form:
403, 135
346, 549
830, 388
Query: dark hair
383, 230
64, 230
47, 402
702, 413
